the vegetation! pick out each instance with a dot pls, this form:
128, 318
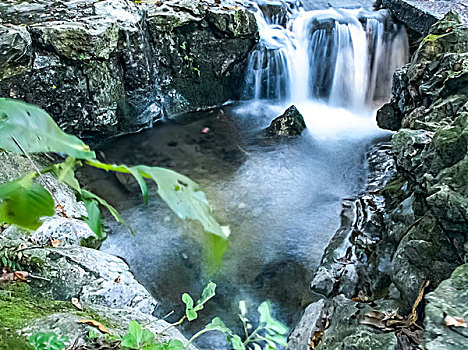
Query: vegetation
25, 128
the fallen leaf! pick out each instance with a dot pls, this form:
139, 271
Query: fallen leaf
94, 324
455, 321
21, 275
55, 243
205, 130
117, 280
76, 303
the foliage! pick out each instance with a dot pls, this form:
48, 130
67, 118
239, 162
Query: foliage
48, 341
138, 338
191, 310
29, 129
269, 333
23, 202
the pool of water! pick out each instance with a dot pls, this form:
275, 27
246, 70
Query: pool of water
282, 200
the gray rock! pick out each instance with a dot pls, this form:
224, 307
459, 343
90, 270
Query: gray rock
304, 331
290, 123
115, 320
106, 67
420, 15
91, 276
449, 299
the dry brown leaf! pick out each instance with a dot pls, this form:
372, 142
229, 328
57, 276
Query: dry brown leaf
413, 317
117, 280
76, 303
94, 324
55, 243
315, 339
21, 275
455, 321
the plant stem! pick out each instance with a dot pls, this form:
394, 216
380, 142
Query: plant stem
172, 325
254, 333
195, 336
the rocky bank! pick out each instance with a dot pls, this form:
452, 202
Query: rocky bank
374, 276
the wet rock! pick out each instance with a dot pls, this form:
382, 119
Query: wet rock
336, 324
290, 123
420, 15
388, 117
106, 67
449, 299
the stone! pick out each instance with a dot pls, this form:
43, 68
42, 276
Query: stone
388, 117
91, 276
450, 298
290, 123
420, 15
304, 331
115, 320
110, 67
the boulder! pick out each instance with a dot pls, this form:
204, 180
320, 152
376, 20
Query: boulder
449, 299
108, 67
290, 123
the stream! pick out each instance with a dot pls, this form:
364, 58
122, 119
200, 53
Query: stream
281, 199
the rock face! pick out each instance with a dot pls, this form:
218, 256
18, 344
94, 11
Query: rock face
289, 124
449, 299
387, 254
106, 67
420, 15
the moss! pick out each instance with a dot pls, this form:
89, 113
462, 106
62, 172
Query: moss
18, 306
393, 191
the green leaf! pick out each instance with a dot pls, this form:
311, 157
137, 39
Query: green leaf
136, 331
147, 337
36, 131
187, 299
218, 325
94, 217
208, 292
184, 197
189, 310
237, 343
65, 173
141, 182
86, 195
267, 319
23, 203
129, 341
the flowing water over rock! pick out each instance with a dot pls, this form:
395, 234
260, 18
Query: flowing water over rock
282, 199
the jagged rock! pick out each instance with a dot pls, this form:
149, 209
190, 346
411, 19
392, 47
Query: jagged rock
389, 117
70, 232
290, 123
106, 67
449, 299
340, 321
420, 15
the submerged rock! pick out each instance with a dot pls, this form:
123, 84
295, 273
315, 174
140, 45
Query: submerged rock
290, 123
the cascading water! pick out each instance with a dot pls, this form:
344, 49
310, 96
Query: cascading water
344, 57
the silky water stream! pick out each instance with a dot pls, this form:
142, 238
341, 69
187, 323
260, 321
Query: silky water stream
282, 199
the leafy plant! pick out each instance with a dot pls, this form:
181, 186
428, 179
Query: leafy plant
48, 341
25, 128
269, 333
138, 338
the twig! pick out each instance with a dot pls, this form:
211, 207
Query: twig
39, 278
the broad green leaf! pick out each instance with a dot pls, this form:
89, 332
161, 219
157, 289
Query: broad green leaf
147, 337
187, 299
180, 193
36, 131
237, 343
218, 325
135, 329
189, 310
65, 173
267, 319
175, 345
208, 292
129, 341
184, 197
23, 203
86, 195
94, 217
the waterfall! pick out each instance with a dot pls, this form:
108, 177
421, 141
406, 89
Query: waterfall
343, 57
